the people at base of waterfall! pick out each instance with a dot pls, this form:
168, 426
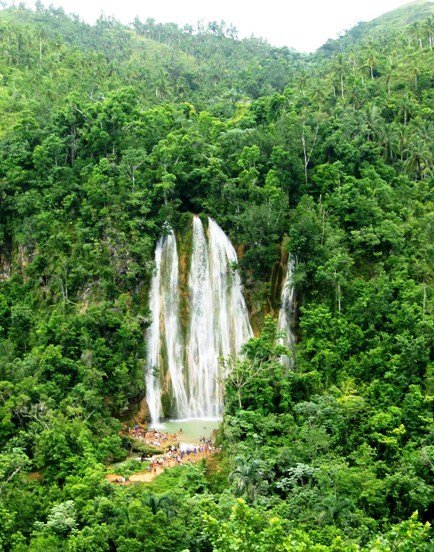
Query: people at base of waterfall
178, 456
173, 457
152, 437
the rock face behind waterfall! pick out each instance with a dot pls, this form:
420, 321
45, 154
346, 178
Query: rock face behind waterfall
183, 359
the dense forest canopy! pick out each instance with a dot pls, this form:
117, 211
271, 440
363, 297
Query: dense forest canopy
107, 132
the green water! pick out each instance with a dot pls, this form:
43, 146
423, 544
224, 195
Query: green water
192, 429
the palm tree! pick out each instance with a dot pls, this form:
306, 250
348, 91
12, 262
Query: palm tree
371, 62
41, 37
161, 84
401, 140
319, 95
332, 509
429, 28
340, 69
391, 65
424, 128
160, 502
405, 108
419, 157
415, 29
302, 80
246, 476
389, 141
356, 96
361, 66
371, 120
352, 63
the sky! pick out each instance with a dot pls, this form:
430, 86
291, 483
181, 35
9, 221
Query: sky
300, 24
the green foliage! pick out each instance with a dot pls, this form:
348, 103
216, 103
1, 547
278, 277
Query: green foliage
107, 132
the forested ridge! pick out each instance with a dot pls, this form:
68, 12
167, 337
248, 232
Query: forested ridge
107, 132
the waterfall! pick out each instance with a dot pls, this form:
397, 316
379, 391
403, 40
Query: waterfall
286, 313
218, 324
233, 328
172, 325
153, 340
202, 348
165, 330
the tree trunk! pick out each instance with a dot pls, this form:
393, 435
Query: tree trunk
306, 160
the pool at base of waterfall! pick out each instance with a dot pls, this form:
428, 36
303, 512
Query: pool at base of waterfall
189, 430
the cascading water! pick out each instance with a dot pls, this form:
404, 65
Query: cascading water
202, 355
153, 340
172, 325
165, 330
218, 324
286, 313
233, 329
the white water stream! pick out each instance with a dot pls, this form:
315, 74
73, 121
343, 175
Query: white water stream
286, 313
153, 339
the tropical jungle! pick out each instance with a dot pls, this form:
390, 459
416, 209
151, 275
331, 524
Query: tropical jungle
118, 141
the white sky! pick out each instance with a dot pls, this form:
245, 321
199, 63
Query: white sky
301, 24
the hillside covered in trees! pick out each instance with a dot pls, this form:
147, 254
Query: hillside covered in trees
108, 132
